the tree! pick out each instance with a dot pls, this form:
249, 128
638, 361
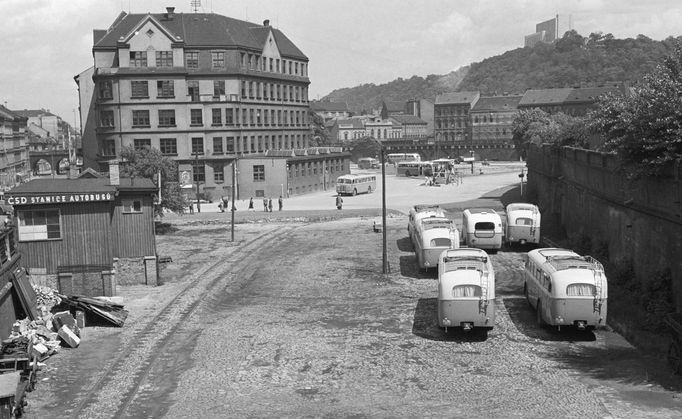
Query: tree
321, 136
147, 163
527, 128
645, 128
364, 147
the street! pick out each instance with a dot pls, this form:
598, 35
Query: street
295, 319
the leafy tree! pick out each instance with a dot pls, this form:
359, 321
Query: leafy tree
645, 128
527, 128
364, 147
147, 163
536, 126
321, 136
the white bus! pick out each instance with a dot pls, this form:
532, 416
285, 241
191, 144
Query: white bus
414, 168
482, 228
355, 184
523, 224
420, 211
431, 236
466, 290
565, 289
398, 157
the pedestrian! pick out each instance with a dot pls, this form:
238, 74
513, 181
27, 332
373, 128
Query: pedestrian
226, 201
220, 206
191, 208
251, 204
265, 204
270, 204
339, 202
280, 201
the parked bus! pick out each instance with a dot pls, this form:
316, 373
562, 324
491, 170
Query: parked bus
419, 211
431, 236
482, 228
523, 224
565, 289
466, 289
368, 163
398, 157
414, 168
355, 184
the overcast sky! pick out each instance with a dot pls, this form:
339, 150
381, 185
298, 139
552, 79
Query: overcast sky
45, 43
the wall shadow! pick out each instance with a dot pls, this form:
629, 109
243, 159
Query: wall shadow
426, 326
523, 317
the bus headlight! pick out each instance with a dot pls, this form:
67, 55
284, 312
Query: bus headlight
559, 320
427, 263
446, 321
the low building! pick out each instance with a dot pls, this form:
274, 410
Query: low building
409, 126
86, 235
349, 129
330, 110
291, 172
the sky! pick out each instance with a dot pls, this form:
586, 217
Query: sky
348, 42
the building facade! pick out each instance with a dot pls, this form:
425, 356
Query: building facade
291, 172
410, 126
423, 109
202, 88
571, 101
491, 120
14, 162
452, 117
330, 110
549, 30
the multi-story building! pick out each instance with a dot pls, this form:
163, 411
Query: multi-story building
572, 101
382, 129
410, 126
451, 117
491, 120
392, 107
14, 162
43, 120
201, 87
549, 30
348, 129
330, 110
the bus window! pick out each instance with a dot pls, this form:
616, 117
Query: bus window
524, 222
580, 290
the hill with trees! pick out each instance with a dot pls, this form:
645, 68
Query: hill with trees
571, 61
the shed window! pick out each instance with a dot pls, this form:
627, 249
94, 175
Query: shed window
39, 225
132, 206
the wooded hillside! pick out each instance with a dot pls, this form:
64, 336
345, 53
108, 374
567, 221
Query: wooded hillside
571, 61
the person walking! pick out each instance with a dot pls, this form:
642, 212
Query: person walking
339, 202
280, 201
226, 201
270, 204
265, 204
251, 204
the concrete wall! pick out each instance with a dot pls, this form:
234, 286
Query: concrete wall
637, 220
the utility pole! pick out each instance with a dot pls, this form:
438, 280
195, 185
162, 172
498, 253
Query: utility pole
384, 259
196, 177
234, 183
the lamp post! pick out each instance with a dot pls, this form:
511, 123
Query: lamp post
384, 253
196, 177
234, 207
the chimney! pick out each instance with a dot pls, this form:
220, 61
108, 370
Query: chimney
266, 22
170, 11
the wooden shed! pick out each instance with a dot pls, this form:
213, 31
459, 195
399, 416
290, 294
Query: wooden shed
74, 235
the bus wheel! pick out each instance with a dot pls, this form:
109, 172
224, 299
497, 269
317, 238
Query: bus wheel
355, 192
369, 189
525, 294
675, 357
538, 314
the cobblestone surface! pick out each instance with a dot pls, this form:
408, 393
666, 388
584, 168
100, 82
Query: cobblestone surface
296, 320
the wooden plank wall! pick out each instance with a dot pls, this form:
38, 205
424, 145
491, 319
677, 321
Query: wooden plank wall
134, 233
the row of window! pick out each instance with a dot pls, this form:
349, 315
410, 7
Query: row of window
245, 144
448, 111
234, 117
165, 89
139, 59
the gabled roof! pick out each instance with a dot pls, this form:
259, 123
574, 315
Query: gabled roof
82, 185
590, 94
201, 30
324, 106
353, 123
537, 97
454, 98
496, 103
33, 113
7, 115
395, 106
408, 119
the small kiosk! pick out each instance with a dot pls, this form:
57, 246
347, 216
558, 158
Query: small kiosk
83, 236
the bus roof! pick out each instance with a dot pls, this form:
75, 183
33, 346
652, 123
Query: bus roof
519, 206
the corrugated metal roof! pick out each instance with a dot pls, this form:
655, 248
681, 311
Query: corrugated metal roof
202, 30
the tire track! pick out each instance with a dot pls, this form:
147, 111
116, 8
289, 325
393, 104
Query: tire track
118, 383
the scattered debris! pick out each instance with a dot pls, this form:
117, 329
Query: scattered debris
105, 310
